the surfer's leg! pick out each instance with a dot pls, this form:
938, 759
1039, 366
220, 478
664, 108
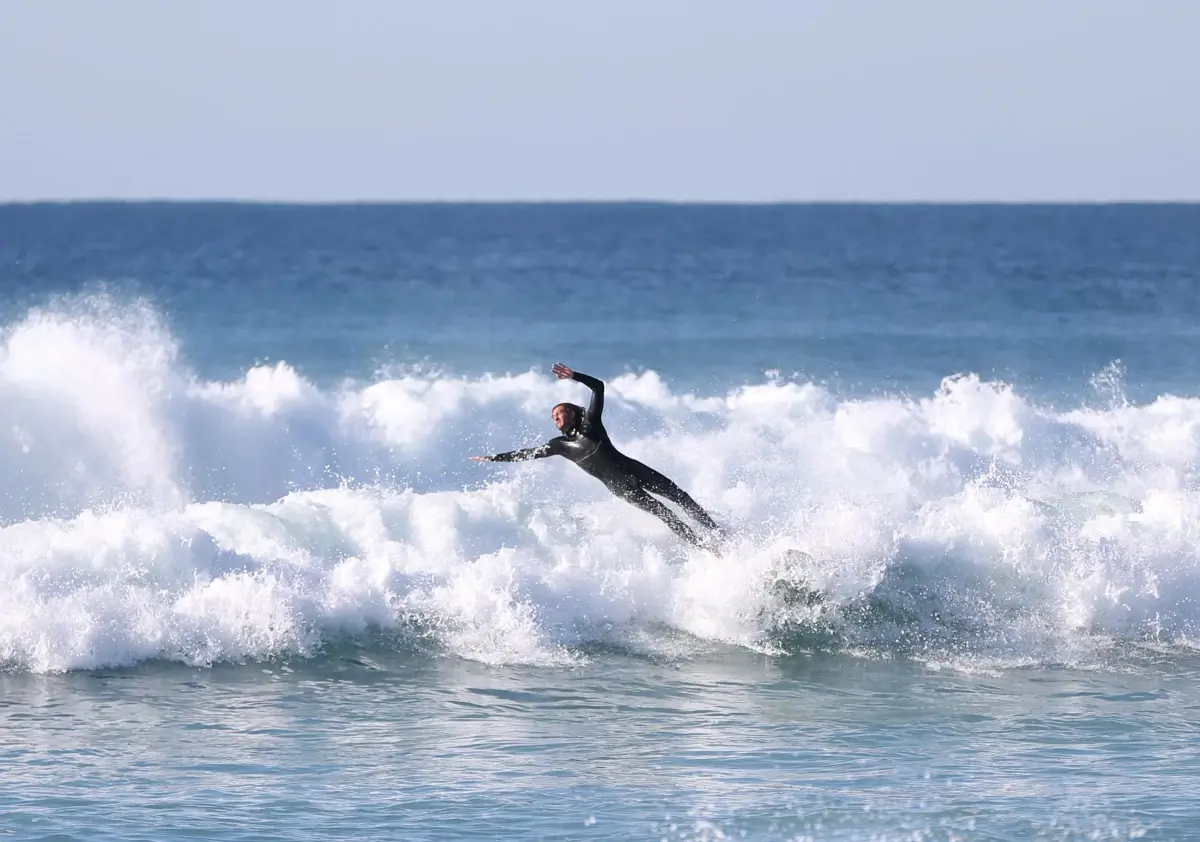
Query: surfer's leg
645, 502
663, 486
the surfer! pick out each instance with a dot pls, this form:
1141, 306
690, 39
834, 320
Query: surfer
585, 442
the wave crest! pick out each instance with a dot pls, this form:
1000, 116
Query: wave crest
149, 513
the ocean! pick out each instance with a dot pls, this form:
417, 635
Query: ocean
252, 588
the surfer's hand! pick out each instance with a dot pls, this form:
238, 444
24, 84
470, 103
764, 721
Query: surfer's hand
481, 458
562, 372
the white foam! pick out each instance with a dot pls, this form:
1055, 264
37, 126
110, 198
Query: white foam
149, 514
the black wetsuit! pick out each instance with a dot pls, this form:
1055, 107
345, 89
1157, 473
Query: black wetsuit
589, 447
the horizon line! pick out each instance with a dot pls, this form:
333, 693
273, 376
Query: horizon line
4, 202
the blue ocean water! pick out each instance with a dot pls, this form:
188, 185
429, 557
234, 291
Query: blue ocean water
252, 588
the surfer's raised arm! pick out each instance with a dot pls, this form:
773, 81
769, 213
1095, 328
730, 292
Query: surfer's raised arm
596, 408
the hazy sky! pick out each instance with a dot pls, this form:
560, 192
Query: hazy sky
745, 100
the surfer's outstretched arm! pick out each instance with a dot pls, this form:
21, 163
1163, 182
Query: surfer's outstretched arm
550, 448
596, 408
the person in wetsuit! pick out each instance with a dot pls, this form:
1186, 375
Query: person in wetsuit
585, 442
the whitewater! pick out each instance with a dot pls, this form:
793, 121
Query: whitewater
150, 514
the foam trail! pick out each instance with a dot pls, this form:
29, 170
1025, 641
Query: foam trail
150, 514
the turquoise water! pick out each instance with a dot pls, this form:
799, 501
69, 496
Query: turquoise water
251, 588
716, 745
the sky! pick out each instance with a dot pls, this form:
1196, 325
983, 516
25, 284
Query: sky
674, 100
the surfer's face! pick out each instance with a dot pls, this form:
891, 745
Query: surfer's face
564, 417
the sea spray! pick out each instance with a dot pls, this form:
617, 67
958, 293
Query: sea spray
150, 514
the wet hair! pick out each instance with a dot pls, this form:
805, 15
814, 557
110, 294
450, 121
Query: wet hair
576, 414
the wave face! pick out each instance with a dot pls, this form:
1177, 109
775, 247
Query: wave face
150, 514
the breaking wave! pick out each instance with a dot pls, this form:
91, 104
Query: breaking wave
146, 513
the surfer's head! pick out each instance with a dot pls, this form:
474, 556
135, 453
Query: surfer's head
567, 417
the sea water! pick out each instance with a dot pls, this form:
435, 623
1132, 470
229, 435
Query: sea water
251, 587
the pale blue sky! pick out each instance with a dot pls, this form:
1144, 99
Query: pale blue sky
742, 100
